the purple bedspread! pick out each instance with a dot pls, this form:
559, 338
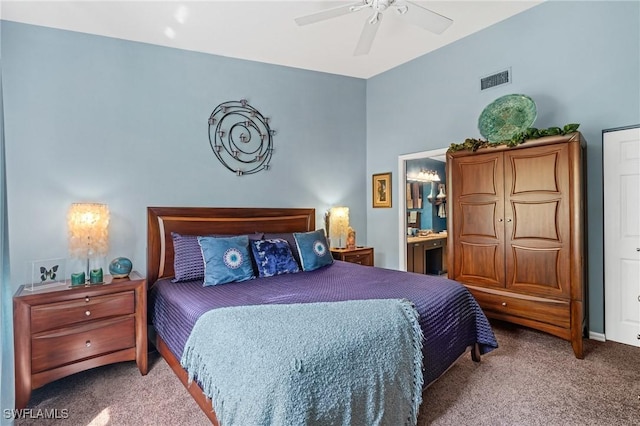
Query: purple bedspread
450, 318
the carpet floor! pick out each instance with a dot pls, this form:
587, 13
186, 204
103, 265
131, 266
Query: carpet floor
531, 379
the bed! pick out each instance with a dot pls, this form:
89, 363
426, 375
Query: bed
450, 320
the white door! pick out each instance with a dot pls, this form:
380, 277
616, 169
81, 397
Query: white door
621, 169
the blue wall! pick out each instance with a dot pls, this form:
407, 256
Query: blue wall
579, 61
91, 118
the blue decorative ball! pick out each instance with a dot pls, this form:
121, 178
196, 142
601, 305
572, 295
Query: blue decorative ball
120, 267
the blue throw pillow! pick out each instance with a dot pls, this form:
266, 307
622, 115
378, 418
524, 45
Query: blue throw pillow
314, 250
226, 259
188, 263
274, 257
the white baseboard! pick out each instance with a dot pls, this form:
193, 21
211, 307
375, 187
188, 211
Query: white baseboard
597, 336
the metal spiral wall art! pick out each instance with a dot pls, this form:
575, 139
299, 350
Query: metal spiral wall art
240, 137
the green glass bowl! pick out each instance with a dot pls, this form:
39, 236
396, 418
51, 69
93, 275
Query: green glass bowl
506, 117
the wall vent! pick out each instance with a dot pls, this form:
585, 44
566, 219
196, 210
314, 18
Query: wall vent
496, 79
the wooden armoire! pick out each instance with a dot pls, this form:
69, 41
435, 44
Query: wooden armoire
517, 232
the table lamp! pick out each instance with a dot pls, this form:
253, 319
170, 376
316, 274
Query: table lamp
88, 237
339, 217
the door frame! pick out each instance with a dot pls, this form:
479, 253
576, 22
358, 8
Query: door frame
402, 198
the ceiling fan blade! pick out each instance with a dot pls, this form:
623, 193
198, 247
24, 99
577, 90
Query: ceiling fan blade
367, 35
326, 14
425, 18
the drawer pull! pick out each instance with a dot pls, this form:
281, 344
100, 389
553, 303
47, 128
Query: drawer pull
88, 343
86, 299
504, 304
87, 313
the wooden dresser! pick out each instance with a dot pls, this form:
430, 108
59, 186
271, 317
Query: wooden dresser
64, 330
359, 255
517, 232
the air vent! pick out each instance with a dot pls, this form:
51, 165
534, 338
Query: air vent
496, 79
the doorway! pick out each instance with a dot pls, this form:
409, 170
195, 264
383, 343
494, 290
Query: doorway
403, 160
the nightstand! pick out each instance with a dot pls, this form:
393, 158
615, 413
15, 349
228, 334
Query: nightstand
62, 330
359, 255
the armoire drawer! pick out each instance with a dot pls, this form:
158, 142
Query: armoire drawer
550, 311
53, 348
56, 315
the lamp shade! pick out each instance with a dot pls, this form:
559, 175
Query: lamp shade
88, 230
339, 222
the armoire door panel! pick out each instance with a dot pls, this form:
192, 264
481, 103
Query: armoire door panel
538, 271
474, 223
537, 220
480, 177
479, 265
542, 170
537, 172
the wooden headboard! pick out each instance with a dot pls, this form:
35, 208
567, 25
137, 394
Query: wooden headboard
162, 221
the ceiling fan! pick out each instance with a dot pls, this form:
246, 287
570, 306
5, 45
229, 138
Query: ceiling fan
413, 12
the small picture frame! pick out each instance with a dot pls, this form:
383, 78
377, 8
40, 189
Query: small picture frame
381, 187
47, 273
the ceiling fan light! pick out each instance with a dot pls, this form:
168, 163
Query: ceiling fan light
412, 12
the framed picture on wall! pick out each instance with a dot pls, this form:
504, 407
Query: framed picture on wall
381, 186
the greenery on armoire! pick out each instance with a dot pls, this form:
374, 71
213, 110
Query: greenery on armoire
471, 144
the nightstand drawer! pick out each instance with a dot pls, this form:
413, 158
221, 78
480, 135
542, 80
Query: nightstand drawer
54, 348
359, 255
359, 258
56, 315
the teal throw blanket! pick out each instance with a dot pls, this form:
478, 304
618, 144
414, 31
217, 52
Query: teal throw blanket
331, 363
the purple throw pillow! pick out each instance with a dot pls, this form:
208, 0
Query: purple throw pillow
188, 263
